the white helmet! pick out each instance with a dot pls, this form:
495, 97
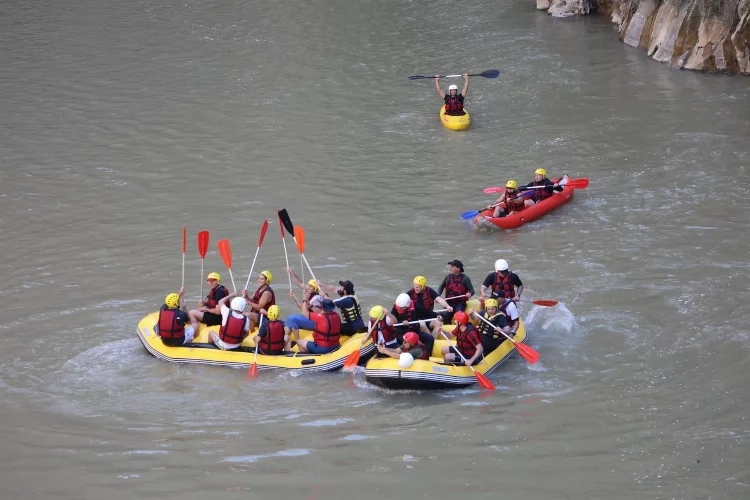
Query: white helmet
501, 265
403, 300
238, 304
405, 360
452, 87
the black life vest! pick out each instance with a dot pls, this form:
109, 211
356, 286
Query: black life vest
489, 330
233, 332
211, 300
541, 194
422, 300
454, 104
353, 313
169, 327
388, 331
327, 329
273, 341
258, 293
503, 288
454, 287
467, 341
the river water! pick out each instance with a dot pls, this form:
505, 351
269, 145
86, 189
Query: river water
122, 121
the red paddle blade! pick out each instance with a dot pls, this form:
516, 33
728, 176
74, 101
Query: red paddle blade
253, 371
184, 239
484, 381
493, 190
203, 243
528, 353
545, 303
299, 235
225, 250
351, 360
582, 183
263, 230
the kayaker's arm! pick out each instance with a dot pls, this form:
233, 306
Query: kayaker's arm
466, 85
437, 86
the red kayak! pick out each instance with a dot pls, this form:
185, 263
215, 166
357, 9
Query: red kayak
529, 214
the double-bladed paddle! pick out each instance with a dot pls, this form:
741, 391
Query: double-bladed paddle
490, 73
581, 183
473, 213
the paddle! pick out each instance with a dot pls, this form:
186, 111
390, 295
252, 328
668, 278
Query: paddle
299, 233
473, 213
286, 255
287, 221
483, 381
226, 255
353, 358
544, 303
490, 73
184, 249
263, 230
528, 353
202, 249
581, 183
253, 370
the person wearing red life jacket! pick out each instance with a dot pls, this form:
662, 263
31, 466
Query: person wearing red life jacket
382, 328
502, 284
271, 338
458, 288
511, 201
326, 329
454, 102
404, 311
468, 342
411, 345
208, 311
235, 326
262, 299
172, 320
540, 194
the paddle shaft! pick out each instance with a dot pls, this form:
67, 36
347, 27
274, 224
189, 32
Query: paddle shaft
459, 352
495, 326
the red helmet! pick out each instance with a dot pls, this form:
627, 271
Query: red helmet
461, 318
411, 338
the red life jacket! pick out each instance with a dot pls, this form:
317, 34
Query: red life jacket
454, 105
424, 299
541, 194
233, 332
425, 354
327, 329
388, 331
258, 293
273, 340
454, 287
169, 327
514, 203
408, 314
211, 300
503, 287
467, 341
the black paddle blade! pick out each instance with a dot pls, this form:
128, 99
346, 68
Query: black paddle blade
286, 220
420, 77
490, 73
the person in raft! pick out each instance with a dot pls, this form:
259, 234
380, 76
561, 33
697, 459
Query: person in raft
208, 311
382, 328
235, 326
411, 345
539, 194
468, 342
326, 327
502, 284
510, 202
172, 320
454, 102
271, 337
310, 291
457, 286
262, 299
403, 312
491, 335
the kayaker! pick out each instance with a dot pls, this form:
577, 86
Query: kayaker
381, 328
326, 329
502, 284
454, 102
271, 338
411, 345
172, 321
540, 179
404, 311
235, 326
468, 342
263, 298
208, 311
510, 202
491, 336
457, 286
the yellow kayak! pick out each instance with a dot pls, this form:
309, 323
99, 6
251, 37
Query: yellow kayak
455, 122
201, 351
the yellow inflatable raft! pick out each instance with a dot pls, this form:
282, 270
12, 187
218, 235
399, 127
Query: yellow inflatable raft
203, 352
455, 122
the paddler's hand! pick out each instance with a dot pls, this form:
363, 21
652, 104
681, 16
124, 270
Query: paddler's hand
466, 76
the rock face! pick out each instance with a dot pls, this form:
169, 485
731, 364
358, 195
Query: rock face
703, 35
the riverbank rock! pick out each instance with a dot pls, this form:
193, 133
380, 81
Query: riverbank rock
703, 35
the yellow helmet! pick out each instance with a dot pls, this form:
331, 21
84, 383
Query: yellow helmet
490, 303
268, 275
420, 280
274, 312
172, 301
511, 185
313, 284
377, 312
540, 171
214, 276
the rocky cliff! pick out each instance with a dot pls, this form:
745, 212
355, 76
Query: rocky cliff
703, 35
